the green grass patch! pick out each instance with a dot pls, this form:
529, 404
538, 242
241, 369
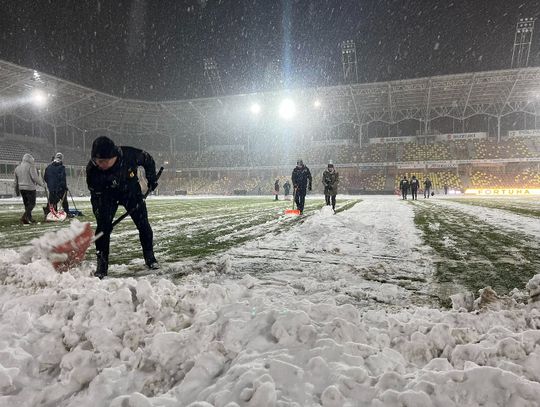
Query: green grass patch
526, 208
183, 228
474, 254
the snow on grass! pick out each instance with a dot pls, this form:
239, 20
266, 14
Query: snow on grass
474, 253
326, 316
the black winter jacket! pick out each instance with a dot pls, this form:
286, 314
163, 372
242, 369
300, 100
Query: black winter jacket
55, 176
301, 177
122, 176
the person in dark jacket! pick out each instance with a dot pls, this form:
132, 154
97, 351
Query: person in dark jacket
286, 189
301, 178
111, 176
55, 178
330, 181
427, 187
415, 185
404, 187
26, 179
276, 189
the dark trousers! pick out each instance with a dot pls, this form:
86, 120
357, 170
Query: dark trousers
414, 192
404, 193
29, 201
56, 196
329, 198
300, 198
104, 207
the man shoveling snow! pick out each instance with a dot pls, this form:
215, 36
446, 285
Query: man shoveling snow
111, 176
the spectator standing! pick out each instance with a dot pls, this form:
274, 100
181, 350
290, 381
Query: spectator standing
427, 187
55, 178
276, 189
301, 178
111, 176
415, 184
286, 189
330, 180
26, 179
445, 189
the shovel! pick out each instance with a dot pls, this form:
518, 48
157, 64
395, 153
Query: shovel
293, 211
74, 212
71, 253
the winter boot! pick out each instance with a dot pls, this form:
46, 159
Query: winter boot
150, 261
102, 266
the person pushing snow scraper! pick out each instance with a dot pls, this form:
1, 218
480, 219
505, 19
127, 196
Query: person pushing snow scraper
301, 178
111, 176
55, 178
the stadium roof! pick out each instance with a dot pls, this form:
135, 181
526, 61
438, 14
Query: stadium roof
493, 93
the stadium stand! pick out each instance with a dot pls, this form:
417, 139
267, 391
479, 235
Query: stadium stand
422, 152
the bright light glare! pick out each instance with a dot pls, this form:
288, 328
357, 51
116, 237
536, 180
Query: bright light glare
287, 109
255, 108
39, 98
317, 103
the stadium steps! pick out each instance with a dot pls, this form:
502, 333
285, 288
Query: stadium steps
389, 183
465, 180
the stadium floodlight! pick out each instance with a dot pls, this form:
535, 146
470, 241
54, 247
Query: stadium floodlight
39, 98
255, 108
317, 103
287, 109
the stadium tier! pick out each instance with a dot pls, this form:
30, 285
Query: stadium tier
233, 170
372, 132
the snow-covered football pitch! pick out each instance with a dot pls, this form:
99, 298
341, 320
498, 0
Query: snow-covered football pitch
423, 251
377, 305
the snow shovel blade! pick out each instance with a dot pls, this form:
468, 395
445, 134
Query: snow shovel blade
292, 211
71, 253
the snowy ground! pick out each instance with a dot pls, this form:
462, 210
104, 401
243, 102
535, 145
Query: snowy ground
323, 310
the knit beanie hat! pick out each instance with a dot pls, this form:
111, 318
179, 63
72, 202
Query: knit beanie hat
58, 157
104, 147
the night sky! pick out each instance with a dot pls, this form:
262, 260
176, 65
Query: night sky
154, 49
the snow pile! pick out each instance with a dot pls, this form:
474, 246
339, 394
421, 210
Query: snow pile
41, 248
67, 341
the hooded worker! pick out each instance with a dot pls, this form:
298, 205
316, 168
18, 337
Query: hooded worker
26, 180
55, 177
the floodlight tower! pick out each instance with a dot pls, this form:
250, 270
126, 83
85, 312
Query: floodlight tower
212, 74
348, 58
522, 42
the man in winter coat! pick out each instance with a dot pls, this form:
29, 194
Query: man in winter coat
415, 184
427, 187
26, 179
330, 180
301, 178
286, 189
276, 189
404, 187
55, 177
111, 175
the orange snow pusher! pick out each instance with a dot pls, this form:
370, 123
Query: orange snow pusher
293, 211
71, 251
